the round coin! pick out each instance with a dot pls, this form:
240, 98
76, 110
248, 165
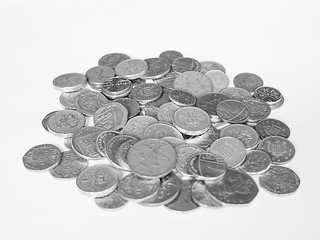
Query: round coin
271, 96
182, 98
42, 157
184, 64
236, 93
98, 75
112, 59
159, 130
167, 80
116, 87
272, 127
219, 79
146, 92
103, 140
201, 196
256, 162
98, 180
166, 112
280, 149
132, 68
206, 139
248, 81
230, 149
67, 100
258, 110
88, 102
136, 125
151, 158
210, 101
157, 68
131, 105
111, 201
122, 153
175, 142
170, 55
207, 66
280, 180
45, 120
232, 111
70, 82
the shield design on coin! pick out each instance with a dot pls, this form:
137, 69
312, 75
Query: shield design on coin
277, 149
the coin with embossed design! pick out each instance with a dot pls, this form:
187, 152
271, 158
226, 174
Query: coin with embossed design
151, 158
167, 80
159, 130
280, 180
166, 112
258, 110
146, 92
219, 79
182, 98
157, 68
280, 149
256, 162
248, 81
70, 166
42, 157
201, 196
67, 100
170, 55
132, 68
116, 87
235, 187
103, 139
210, 101
45, 120
232, 111
185, 64
88, 102
272, 127
236, 93
112, 59
122, 153
138, 189
111, 201
206, 139
207, 66
70, 82
152, 108
136, 125
271, 96
191, 120
131, 105
98, 75
98, 180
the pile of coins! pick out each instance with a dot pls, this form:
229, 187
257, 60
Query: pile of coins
173, 131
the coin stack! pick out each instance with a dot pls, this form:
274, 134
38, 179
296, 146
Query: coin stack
173, 132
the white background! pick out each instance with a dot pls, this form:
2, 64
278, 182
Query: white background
39, 40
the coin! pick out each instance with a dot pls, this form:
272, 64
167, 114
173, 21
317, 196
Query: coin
116, 87
194, 82
170, 55
98, 75
152, 108
111, 201
166, 112
103, 139
122, 152
210, 101
66, 122
157, 68
42, 157
174, 142
132, 68
70, 166
111, 116
191, 120
201, 196
235, 187
98, 180
232, 111
206, 139
88, 102
205, 166
247, 135
167, 80
45, 120
67, 100
271, 96
219, 79
184, 152
230, 149
68, 143
151, 158
184, 64
70, 82
248, 81
182, 98
159, 130
236, 93
169, 189
112, 59
272, 127
183, 202
280, 180
207, 66
84, 142
258, 110
280, 149
256, 162
146, 92
138, 189
131, 105
136, 125
112, 148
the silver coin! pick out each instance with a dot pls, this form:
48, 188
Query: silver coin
67, 100
210, 101
157, 68
206, 139
42, 157
146, 92
70, 82
122, 153
248, 81
232, 111
132, 68
111, 201
272, 127
201, 196
159, 130
112, 59
184, 64
170, 55
167, 80
256, 162
270, 95
70, 166
103, 139
182, 98
131, 105
258, 110
45, 120
166, 112
236, 93
136, 125
116, 87
88, 102
210, 65
219, 79
98, 75
175, 142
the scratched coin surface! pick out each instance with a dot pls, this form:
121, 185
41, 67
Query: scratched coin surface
136, 125
111, 201
131, 105
280, 180
122, 153
256, 162
183, 202
132, 68
182, 98
98, 180
70, 166
88, 102
66, 122
103, 139
206, 139
191, 120
112, 59
157, 68
45, 120
196, 83
111, 116
201, 196
232, 111
42, 157
169, 189
84, 142
70, 82
132, 187
235, 187
271, 96
246, 134
230, 149
170, 55
167, 80
280, 149
161, 129
184, 64
247, 81
151, 158
236, 93
210, 101
219, 79
146, 92
207, 66
258, 110
67, 100
272, 127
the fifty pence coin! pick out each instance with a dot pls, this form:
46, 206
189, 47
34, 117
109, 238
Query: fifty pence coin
98, 180
112, 59
201, 196
42, 157
132, 68
280, 180
159, 130
236, 93
67, 100
219, 79
247, 81
256, 162
280, 149
207, 66
45, 120
258, 110
111, 201
206, 139
185, 64
88, 102
131, 105
166, 112
272, 127
170, 55
232, 111
210, 101
103, 140
157, 68
182, 98
136, 125
70, 82
146, 92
